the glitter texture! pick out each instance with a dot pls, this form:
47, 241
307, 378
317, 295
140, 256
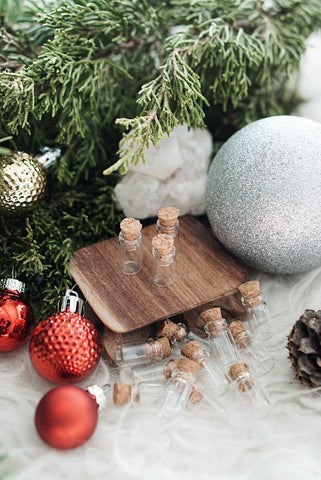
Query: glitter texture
263, 195
65, 348
22, 183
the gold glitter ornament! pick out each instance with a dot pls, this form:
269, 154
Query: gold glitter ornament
23, 180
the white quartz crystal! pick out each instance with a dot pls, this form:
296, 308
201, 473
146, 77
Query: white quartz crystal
174, 174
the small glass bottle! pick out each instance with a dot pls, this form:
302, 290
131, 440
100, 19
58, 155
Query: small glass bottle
257, 311
130, 246
146, 352
163, 260
155, 372
252, 351
223, 347
210, 374
168, 223
248, 390
124, 394
130, 394
179, 387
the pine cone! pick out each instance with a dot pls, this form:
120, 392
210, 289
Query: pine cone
304, 345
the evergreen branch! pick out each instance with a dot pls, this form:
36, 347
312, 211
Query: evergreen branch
174, 97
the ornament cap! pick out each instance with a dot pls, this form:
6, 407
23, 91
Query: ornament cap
70, 302
12, 284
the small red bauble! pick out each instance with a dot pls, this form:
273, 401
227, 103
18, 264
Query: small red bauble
66, 417
16, 315
65, 348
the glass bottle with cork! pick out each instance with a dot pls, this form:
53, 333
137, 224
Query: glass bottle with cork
135, 353
222, 343
130, 246
168, 223
248, 390
163, 270
257, 312
251, 350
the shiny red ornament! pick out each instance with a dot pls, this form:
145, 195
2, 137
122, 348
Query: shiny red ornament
66, 417
65, 348
16, 316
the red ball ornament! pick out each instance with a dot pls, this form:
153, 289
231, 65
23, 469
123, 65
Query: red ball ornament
16, 315
66, 417
65, 348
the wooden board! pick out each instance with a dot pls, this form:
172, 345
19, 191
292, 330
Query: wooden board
205, 271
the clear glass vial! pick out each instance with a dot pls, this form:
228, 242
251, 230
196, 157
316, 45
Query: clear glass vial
179, 388
168, 223
222, 343
130, 246
210, 374
135, 353
257, 312
164, 252
252, 351
130, 394
248, 390
155, 372
123, 394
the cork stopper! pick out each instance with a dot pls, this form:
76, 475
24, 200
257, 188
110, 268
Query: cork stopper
211, 314
195, 396
167, 216
187, 365
122, 393
181, 332
240, 372
167, 351
194, 351
130, 228
169, 368
239, 334
173, 331
168, 329
214, 323
159, 348
163, 244
250, 291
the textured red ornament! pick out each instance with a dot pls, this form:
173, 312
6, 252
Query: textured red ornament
65, 348
66, 417
16, 320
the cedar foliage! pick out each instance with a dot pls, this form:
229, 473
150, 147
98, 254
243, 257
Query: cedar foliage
85, 76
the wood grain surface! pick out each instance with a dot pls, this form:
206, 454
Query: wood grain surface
204, 272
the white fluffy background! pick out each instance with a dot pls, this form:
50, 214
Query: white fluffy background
134, 443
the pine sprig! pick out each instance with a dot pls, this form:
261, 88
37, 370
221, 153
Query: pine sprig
174, 97
228, 51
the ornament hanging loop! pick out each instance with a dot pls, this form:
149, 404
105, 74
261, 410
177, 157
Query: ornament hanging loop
85, 288
70, 302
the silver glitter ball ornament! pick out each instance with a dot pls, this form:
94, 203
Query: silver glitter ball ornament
263, 195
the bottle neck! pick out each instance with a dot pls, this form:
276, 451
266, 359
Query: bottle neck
154, 349
183, 377
168, 230
214, 327
242, 339
244, 381
164, 259
198, 356
252, 302
130, 244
